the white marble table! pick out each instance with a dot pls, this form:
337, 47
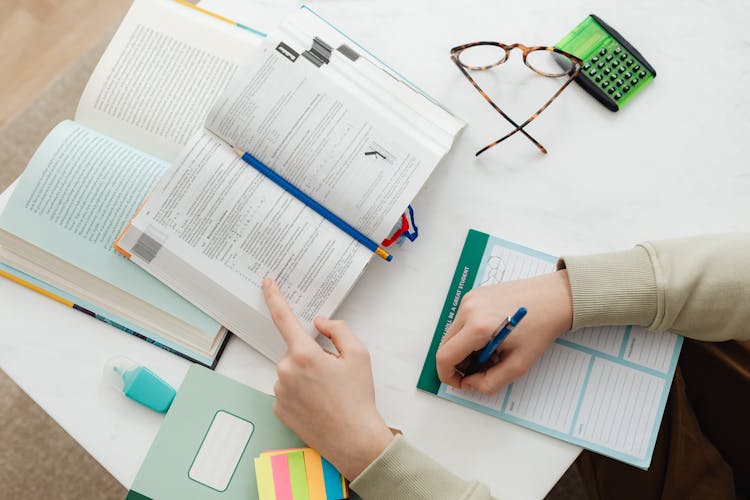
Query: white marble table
673, 163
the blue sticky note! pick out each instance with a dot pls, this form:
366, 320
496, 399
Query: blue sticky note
333, 482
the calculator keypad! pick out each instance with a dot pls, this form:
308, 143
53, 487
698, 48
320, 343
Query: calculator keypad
624, 70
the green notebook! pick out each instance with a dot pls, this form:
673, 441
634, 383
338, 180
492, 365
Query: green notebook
210, 436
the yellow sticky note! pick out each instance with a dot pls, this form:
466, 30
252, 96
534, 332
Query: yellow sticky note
264, 478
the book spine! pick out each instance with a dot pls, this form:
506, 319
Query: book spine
108, 321
127, 330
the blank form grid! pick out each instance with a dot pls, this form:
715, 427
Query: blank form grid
493, 401
606, 339
650, 349
548, 394
619, 408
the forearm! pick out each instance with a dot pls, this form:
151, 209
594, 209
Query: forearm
403, 472
699, 287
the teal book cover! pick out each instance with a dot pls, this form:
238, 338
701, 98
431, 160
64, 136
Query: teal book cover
210, 436
111, 319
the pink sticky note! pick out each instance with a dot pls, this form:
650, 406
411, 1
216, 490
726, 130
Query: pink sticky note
281, 483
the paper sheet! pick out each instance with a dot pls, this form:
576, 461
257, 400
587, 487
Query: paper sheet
601, 388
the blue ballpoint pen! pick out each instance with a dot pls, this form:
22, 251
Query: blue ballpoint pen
504, 330
314, 205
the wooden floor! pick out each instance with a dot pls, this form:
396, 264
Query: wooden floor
40, 38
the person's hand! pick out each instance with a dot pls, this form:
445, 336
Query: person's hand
550, 313
327, 400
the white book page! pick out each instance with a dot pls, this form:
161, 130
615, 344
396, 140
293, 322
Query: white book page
163, 69
214, 228
362, 74
78, 191
346, 155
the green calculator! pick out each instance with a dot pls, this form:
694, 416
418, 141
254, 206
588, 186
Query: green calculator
613, 70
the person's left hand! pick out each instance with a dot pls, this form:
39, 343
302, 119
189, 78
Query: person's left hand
327, 400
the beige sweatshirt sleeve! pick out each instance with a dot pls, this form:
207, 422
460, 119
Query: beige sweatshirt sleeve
403, 472
698, 287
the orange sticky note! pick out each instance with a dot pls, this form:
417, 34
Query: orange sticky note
315, 481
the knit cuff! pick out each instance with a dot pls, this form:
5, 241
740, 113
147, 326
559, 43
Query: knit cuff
402, 471
617, 288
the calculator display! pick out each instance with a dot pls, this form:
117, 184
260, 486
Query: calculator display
613, 70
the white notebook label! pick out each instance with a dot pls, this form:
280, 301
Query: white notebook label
221, 450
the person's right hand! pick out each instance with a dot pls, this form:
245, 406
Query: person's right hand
550, 313
327, 399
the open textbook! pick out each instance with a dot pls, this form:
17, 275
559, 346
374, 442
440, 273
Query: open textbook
602, 388
150, 92
318, 110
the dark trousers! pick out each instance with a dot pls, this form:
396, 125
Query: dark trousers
703, 447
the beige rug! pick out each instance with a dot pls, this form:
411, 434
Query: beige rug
38, 459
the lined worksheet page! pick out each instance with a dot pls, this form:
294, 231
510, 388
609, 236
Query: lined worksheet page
601, 388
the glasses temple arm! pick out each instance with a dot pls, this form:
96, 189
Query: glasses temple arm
519, 128
497, 108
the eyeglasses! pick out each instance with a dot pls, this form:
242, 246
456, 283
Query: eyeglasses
545, 61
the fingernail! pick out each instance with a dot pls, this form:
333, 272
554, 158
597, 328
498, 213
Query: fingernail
266, 281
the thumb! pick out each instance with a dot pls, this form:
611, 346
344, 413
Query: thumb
339, 333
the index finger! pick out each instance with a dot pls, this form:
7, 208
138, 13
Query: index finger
282, 315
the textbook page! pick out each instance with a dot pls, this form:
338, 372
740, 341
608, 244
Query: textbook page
340, 150
214, 227
354, 68
161, 72
601, 388
73, 199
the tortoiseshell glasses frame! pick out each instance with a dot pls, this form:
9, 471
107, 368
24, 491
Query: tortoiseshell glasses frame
572, 72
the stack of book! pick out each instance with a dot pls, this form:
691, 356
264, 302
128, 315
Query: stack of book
149, 162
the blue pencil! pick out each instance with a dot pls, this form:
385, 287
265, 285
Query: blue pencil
320, 209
